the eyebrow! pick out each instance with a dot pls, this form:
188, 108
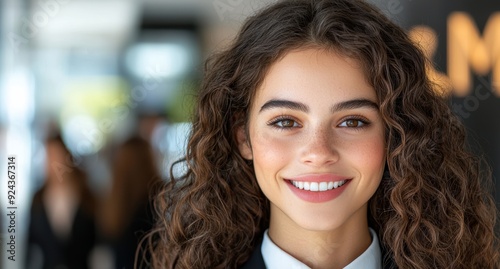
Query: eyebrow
353, 104
350, 104
274, 103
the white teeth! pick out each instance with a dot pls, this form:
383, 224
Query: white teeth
314, 186
318, 186
323, 186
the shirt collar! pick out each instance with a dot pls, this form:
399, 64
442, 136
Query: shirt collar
275, 257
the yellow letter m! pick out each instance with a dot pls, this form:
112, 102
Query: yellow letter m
467, 49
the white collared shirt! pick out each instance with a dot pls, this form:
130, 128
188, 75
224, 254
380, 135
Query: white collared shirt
276, 258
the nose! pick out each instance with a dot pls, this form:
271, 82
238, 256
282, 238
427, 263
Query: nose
320, 148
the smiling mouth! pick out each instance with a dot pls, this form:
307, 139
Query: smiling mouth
317, 186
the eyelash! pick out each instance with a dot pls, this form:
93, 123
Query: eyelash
361, 119
273, 123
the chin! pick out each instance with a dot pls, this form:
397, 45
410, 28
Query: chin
319, 224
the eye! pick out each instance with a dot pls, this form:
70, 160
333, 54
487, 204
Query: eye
284, 123
353, 123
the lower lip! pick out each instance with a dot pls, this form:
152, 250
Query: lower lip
317, 196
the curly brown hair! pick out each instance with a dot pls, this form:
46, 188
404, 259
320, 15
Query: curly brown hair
431, 209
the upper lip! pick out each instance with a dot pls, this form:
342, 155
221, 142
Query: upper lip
318, 178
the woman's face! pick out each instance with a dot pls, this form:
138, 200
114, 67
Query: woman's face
58, 163
316, 139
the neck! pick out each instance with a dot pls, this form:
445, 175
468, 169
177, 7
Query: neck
325, 249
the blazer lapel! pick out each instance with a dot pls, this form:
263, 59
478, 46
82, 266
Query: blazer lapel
256, 261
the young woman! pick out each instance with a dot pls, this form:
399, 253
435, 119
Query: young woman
62, 225
318, 142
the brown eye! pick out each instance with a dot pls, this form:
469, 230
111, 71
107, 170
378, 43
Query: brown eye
353, 123
286, 123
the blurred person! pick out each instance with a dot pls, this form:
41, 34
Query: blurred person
62, 217
126, 212
148, 123
153, 127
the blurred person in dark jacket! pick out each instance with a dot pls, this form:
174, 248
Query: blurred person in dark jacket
62, 217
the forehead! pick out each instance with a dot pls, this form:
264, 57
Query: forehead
313, 72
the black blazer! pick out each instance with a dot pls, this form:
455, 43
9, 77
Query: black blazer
73, 252
256, 261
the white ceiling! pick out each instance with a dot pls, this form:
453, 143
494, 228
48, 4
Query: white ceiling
76, 23
111, 23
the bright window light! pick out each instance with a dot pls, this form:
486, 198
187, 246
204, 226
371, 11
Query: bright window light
159, 60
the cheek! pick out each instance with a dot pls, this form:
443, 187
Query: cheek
270, 154
370, 155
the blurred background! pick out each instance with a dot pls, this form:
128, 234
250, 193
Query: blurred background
94, 90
